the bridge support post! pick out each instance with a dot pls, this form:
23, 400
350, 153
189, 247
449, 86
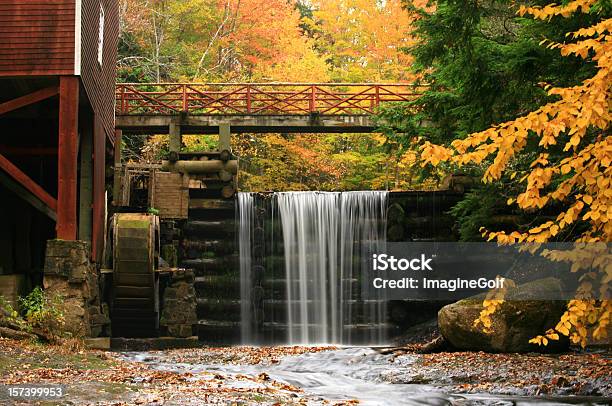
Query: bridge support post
225, 136
176, 141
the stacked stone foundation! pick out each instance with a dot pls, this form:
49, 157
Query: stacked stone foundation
178, 313
70, 274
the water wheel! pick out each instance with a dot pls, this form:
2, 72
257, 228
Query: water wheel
135, 301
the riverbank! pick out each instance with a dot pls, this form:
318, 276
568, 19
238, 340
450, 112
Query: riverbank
108, 378
306, 375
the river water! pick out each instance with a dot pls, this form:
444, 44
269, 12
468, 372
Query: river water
357, 373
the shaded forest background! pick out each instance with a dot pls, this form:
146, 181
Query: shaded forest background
276, 40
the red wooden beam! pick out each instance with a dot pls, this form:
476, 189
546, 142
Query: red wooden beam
66, 226
28, 183
28, 99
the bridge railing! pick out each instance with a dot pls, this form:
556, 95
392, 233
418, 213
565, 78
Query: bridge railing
259, 98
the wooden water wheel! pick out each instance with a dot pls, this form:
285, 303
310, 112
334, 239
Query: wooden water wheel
135, 301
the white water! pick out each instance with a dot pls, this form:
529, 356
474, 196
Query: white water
245, 214
323, 235
357, 373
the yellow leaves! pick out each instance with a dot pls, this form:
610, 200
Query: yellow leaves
542, 160
490, 306
601, 331
603, 182
551, 10
434, 154
600, 28
543, 340
564, 328
492, 303
553, 336
565, 169
582, 315
579, 181
554, 230
575, 140
539, 340
369, 34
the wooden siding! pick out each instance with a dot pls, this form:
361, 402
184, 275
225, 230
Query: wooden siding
99, 84
37, 37
99, 80
170, 194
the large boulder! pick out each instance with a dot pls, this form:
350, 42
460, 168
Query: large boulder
514, 324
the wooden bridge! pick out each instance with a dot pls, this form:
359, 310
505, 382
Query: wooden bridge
254, 107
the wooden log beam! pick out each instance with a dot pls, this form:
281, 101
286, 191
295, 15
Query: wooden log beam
28, 99
201, 167
228, 191
27, 182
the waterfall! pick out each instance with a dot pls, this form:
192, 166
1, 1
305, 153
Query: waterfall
310, 238
245, 214
363, 230
323, 237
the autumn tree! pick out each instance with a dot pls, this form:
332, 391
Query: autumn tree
314, 162
160, 40
363, 40
275, 40
206, 40
483, 65
557, 157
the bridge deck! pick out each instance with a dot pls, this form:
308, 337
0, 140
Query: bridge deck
147, 124
253, 107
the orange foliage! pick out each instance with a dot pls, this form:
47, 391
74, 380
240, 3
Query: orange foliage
580, 180
265, 36
364, 38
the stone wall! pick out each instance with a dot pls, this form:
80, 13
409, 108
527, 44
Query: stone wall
70, 274
178, 313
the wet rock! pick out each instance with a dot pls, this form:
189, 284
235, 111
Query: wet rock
71, 277
99, 343
514, 323
179, 305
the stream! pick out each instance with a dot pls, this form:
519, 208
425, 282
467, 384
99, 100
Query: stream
358, 373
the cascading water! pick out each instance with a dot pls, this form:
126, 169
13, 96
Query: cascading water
363, 230
245, 214
313, 283
324, 239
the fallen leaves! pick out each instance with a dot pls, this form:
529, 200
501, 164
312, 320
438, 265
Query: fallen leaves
529, 374
138, 383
